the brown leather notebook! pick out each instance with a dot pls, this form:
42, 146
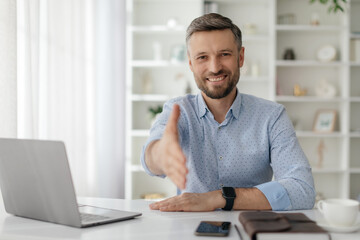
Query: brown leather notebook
271, 225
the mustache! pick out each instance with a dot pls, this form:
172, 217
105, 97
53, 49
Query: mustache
212, 74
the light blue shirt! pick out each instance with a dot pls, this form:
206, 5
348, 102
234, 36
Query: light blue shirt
254, 143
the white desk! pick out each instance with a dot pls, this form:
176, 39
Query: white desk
152, 225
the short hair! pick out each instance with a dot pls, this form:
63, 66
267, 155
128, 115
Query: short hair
211, 22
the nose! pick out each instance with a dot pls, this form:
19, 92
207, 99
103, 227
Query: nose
215, 65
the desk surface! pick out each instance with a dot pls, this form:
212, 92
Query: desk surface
151, 225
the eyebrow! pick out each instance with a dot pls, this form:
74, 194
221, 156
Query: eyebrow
226, 50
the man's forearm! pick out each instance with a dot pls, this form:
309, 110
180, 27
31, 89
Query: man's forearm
246, 199
250, 199
150, 158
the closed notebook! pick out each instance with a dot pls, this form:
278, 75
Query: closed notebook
260, 225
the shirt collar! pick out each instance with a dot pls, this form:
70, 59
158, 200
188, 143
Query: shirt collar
234, 109
203, 108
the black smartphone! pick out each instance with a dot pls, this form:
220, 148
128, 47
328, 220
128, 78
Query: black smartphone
211, 228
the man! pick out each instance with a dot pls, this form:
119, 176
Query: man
221, 147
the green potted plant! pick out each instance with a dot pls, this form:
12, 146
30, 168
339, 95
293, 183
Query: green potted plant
154, 111
336, 5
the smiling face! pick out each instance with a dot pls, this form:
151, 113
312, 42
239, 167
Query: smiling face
215, 61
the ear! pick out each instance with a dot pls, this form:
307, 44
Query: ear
241, 57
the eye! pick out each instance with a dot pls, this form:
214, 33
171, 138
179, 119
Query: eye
201, 57
225, 54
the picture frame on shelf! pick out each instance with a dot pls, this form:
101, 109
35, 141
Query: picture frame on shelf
324, 121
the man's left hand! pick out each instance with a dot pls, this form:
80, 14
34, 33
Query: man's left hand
191, 202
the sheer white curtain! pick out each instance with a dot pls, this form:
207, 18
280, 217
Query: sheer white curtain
110, 92
58, 97
7, 68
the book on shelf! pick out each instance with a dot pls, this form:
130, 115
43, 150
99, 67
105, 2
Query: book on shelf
262, 225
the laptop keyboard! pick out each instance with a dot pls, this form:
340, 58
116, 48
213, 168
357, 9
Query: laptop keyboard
87, 217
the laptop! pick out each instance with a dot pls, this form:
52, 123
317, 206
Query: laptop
36, 183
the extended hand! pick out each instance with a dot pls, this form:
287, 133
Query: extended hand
170, 156
191, 202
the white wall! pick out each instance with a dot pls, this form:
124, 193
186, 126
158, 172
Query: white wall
8, 68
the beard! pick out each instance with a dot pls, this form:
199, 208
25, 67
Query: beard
220, 91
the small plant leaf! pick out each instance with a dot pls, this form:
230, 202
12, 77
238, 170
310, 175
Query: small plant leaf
334, 7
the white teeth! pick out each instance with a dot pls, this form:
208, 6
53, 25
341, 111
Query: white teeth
216, 79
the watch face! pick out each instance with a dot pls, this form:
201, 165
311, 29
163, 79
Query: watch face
229, 192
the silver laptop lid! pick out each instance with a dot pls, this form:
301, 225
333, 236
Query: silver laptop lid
36, 182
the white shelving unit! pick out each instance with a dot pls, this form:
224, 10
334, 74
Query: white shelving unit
155, 29
153, 77
337, 175
354, 111
257, 75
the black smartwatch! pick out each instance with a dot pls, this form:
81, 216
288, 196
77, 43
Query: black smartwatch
229, 194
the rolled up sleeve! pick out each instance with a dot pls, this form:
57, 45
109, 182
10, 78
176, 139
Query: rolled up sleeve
276, 195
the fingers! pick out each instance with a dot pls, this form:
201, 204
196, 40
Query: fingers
176, 161
172, 204
188, 202
178, 176
173, 160
157, 205
176, 170
173, 120
179, 180
172, 208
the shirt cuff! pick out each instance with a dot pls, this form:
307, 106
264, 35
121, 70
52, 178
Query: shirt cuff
276, 194
143, 163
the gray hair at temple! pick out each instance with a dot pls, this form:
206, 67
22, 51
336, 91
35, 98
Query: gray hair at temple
211, 22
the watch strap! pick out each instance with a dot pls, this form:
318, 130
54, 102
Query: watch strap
229, 204
229, 195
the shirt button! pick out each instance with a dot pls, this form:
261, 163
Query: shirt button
221, 185
219, 127
220, 157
